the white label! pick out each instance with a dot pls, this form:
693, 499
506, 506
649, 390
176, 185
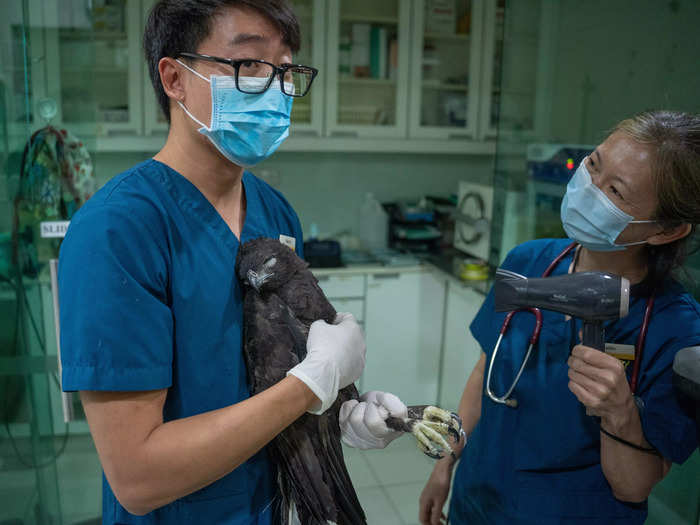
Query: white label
625, 352
288, 241
54, 229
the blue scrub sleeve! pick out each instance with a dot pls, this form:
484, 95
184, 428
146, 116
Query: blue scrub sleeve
667, 418
116, 325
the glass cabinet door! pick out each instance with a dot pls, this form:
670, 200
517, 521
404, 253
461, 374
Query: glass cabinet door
98, 60
49, 472
447, 57
511, 90
307, 112
368, 48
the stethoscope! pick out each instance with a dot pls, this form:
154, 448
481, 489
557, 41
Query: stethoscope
505, 399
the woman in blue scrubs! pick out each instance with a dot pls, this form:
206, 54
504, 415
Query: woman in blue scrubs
584, 445
151, 310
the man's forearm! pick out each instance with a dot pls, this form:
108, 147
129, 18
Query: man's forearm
181, 456
631, 473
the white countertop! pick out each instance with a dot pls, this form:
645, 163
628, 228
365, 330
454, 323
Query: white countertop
362, 269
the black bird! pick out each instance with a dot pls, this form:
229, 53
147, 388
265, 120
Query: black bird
281, 300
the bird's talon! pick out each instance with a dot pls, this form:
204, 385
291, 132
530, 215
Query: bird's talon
431, 427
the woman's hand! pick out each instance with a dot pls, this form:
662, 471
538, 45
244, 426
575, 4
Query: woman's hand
599, 381
434, 495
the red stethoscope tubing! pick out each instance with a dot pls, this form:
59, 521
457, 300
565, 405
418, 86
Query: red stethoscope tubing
639, 347
641, 339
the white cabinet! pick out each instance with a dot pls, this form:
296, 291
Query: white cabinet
420, 92
93, 63
461, 351
368, 89
416, 324
345, 292
307, 112
403, 323
84, 69
446, 60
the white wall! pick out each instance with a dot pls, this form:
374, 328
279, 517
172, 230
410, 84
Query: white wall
614, 59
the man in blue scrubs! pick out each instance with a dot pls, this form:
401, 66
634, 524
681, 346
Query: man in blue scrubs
151, 310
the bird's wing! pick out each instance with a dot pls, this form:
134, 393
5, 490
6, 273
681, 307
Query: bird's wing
311, 470
271, 344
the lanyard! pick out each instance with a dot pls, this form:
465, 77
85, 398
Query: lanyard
534, 338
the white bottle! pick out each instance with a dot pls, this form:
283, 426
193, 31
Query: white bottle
374, 224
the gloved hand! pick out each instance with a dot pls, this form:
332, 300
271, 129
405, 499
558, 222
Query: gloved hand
335, 358
363, 422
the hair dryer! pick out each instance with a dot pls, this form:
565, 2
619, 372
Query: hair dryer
593, 297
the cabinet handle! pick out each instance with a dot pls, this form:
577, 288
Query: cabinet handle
395, 275
459, 136
322, 278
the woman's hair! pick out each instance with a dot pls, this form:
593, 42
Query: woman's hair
674, 140
179, 26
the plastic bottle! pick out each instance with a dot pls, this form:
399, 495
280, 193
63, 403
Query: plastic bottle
374, 224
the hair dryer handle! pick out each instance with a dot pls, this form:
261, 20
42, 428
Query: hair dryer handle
594, 335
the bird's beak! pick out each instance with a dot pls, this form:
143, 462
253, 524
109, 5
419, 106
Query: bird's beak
257, 280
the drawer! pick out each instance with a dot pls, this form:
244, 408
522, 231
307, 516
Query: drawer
355, 306
342, 286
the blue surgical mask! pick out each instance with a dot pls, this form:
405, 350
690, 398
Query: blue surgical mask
245, 128
590, 218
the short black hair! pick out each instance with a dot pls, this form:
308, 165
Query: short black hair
177, 26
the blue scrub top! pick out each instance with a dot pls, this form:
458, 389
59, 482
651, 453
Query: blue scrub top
149, 300
540, 463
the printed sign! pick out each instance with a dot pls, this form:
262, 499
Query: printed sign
54, 229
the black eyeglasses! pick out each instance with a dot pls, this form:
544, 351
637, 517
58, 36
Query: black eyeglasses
293, 77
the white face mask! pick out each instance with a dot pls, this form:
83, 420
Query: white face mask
590, 218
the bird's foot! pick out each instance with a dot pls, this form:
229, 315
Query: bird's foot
432, 427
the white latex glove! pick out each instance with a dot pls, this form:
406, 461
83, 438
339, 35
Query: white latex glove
335, 358
363, 422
